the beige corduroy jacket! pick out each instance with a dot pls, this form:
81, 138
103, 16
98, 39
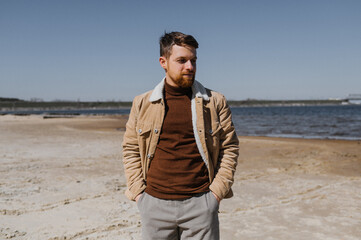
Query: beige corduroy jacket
214, 133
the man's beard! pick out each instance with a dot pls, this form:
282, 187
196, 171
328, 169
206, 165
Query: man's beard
185, 82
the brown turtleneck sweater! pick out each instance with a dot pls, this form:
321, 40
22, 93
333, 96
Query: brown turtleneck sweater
177, 170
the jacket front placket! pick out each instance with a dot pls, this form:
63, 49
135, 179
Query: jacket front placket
157, 127
201, 132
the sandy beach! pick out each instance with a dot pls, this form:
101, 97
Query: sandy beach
62, 178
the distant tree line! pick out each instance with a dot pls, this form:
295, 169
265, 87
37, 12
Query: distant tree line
14, 103
10, 99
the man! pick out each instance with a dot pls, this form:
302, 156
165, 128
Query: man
180, 149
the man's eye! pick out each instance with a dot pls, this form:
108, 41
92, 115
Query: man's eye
182, 61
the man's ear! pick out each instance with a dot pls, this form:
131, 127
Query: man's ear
163, 62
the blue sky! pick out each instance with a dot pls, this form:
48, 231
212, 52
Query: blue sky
108, 50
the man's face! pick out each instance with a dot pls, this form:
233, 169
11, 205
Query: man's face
180, 66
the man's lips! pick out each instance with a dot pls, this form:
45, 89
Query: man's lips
188, 74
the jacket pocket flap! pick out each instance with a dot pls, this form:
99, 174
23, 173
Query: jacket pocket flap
143, 128
216, 127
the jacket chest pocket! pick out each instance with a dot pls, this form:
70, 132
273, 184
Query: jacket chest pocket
144, 132
213, 142
213, 137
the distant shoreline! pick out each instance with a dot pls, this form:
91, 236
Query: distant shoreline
21, 105
120, 108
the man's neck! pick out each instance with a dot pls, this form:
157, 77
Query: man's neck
170, 82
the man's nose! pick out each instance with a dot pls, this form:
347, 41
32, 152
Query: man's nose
189, 65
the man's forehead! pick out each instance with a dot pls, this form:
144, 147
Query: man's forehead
178, 51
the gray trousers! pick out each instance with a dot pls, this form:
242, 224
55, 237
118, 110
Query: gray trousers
193, 218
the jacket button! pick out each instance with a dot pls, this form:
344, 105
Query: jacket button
211, 131
140, 130
156, 130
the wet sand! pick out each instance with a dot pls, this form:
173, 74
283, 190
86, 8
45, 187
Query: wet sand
62, 178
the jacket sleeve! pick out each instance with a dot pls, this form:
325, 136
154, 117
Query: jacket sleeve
131, 155
228, 153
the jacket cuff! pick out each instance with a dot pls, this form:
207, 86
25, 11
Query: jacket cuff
134, 193
220, 192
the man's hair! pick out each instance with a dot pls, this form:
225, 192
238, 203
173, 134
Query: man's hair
167, 41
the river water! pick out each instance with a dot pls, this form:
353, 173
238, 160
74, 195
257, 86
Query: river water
333, 122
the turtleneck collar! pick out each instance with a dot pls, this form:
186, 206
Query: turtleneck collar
176, 91
198, 91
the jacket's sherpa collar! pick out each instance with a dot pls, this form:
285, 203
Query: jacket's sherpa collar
197, 89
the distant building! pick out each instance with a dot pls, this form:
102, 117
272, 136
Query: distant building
354, 98
36, 100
